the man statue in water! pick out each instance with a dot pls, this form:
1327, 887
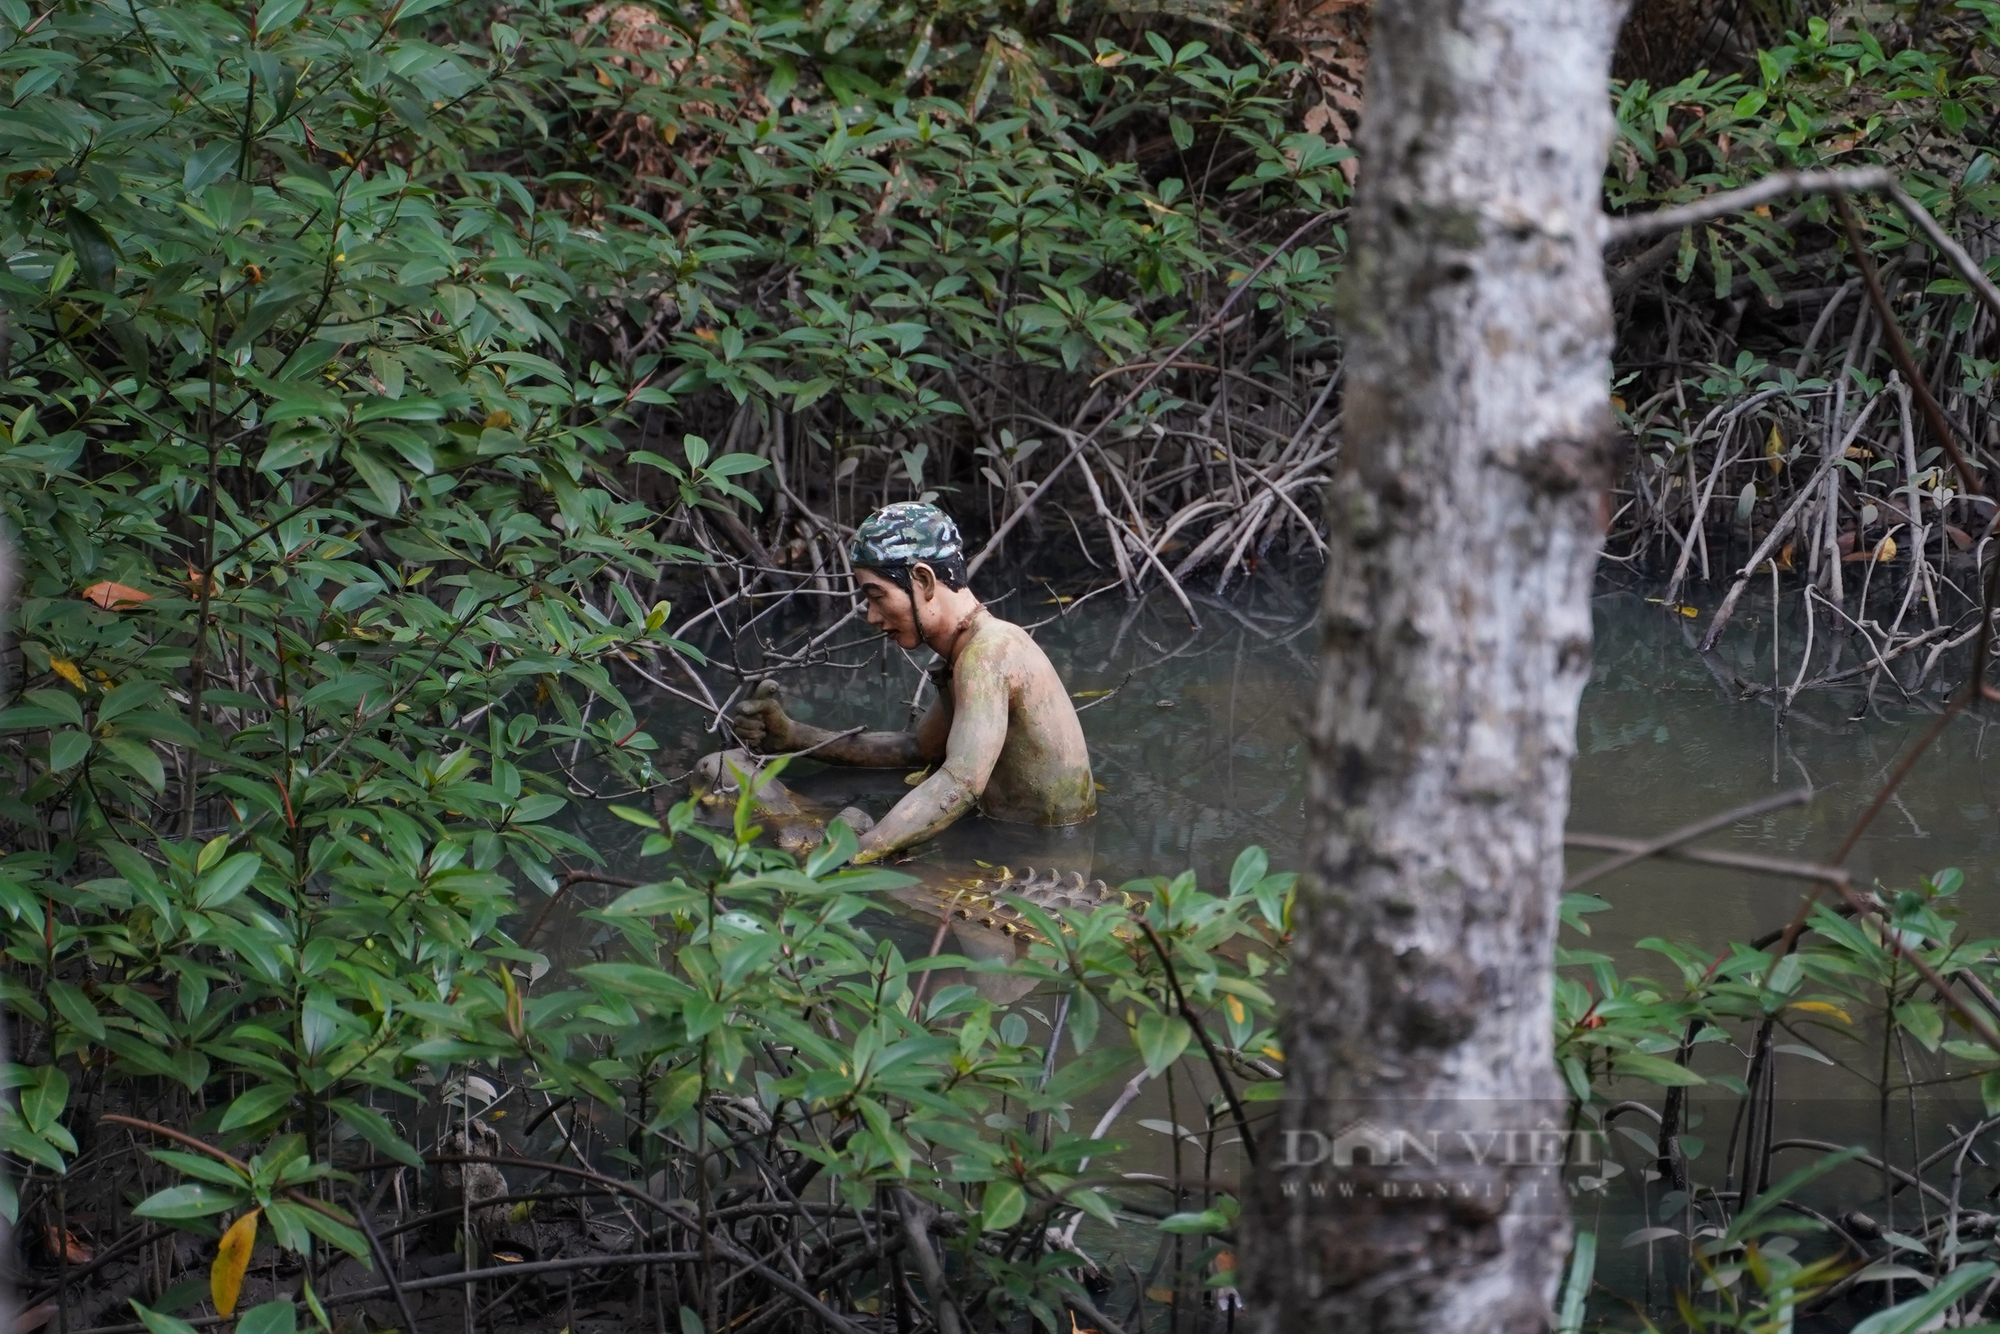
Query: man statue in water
1003, 733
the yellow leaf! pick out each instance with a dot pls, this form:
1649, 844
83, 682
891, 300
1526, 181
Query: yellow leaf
1774, 450
66, 669
1887, 551
911, 780
1087, 694
232, 1260
1271, 1050
1824, 1007
1762, 210
1690, 612
1236, 1010
498, 420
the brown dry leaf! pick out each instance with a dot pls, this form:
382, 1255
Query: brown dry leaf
74, 1251
232, 1261
34, 1318
644, 44
115, 597
1329, 38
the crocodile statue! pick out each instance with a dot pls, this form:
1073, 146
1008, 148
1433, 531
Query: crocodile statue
795, 823
982, 900
978, 900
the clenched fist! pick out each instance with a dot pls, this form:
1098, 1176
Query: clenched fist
759, 721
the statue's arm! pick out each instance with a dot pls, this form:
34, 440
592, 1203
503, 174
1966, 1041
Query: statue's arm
978, 732
870, 750
761, 723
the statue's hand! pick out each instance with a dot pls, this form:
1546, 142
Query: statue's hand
760, 722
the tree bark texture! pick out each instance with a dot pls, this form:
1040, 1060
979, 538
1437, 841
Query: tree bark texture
1466, 520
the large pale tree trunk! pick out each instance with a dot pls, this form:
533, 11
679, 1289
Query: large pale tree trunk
1466, 521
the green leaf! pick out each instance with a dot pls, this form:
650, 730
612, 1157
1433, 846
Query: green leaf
1162, 1038
67, 749
1002, 1205
43, 1101
227, 881
270, 1318
1772, 1198
96, 256
1917, 1313
1194, 1224
1657, 1069
374, 1127
337, 1234
675, 1093
73, 1005
702, 1016
1576, 1289
158, 1322
202, 1168
125, 698
1251, 866
732, 465
140, 758
260, 1104
194, 1200
1922, 1021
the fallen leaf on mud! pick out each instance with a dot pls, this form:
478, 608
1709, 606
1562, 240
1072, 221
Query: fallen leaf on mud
75, 1252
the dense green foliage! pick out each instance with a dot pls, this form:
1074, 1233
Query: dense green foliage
335, 340
335, 546
1732, 1036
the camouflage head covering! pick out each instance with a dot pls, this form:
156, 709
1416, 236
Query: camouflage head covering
904, 533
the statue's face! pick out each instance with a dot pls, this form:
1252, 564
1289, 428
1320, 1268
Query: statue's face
888, 608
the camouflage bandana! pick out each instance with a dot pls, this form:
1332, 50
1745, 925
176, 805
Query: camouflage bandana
899, 535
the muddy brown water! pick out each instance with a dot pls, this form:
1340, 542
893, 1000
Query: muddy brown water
1199, 749
1197, 740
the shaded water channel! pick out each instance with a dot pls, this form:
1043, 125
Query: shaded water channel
1199, 749
1197, 740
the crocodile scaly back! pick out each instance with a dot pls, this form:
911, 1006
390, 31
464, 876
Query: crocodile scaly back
984, 901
